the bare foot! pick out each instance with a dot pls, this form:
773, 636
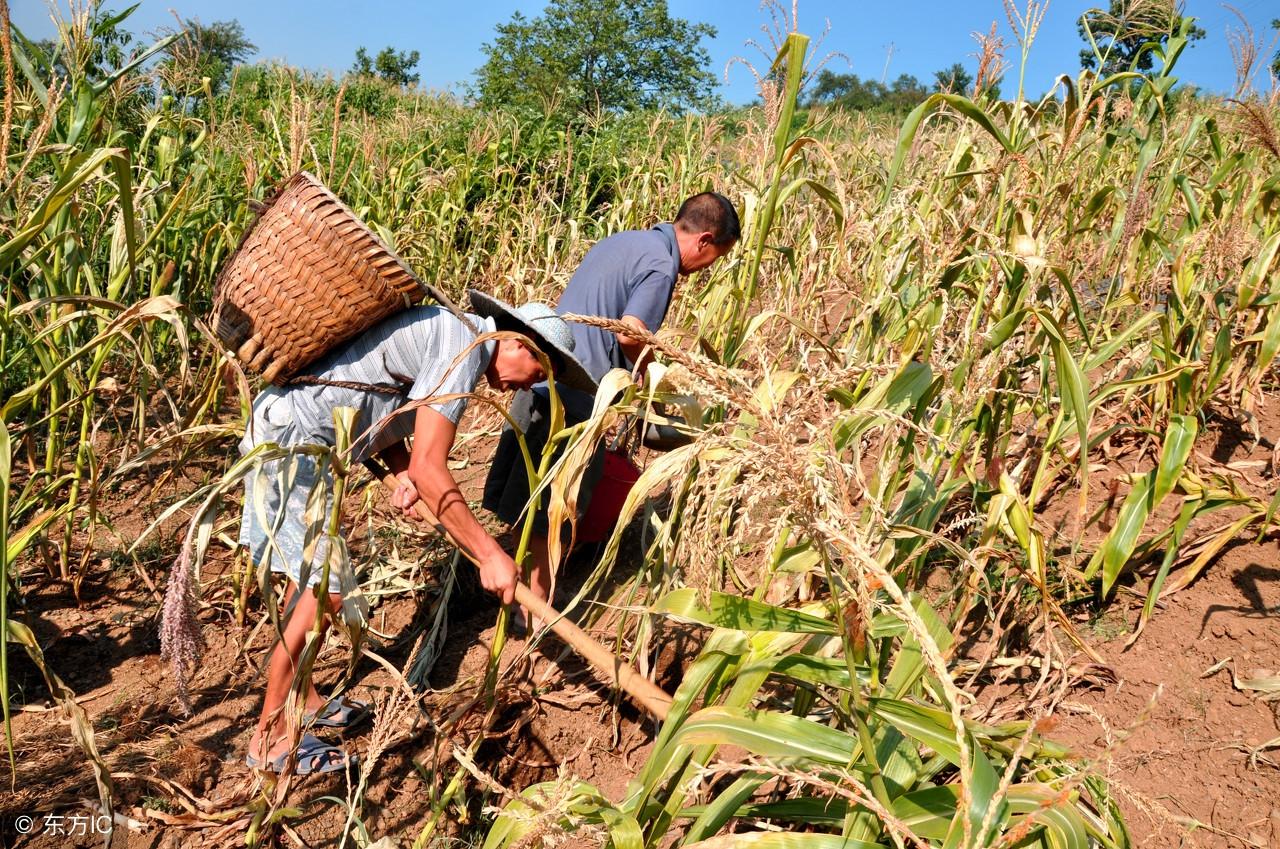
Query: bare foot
279, 745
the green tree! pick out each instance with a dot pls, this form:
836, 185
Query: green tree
954, 79
588, 55
1121, 34
1275, 60
393, 66
205, 50
846, 91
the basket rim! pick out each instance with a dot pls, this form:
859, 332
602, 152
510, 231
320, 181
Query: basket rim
306, 177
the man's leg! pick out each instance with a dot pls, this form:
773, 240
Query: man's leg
273, 732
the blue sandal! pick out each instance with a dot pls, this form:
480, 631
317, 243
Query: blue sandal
338, 712
314, 756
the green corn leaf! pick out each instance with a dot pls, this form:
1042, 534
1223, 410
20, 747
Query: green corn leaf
1108, 349
929, 726
828, 196
808, 810
899, 759
1119, 544
124, 187
1210, 551
1166, 376
133, 64
1188, 195
724, 806
1270, 344
722, 610
1178, 442
782, 840
624, 831
16, 543
1190, 510
908, 664
1259, 268
928, 812
983, 784
516, 820
721, 650
824, 671
78, 169
1003, 329
1040, 803
911, 125
770, 734
1073, 390
896, 394
792, 56
1219, 360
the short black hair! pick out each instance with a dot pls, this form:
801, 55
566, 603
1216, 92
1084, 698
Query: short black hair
710, 212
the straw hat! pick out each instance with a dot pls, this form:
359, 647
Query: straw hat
547, 330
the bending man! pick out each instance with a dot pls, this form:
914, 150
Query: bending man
422, 353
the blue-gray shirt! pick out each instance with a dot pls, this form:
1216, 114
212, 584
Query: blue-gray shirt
629, 273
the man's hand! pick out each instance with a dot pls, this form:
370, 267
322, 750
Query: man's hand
498, 576
405, 495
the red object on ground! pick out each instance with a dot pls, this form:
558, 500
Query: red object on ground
619, 475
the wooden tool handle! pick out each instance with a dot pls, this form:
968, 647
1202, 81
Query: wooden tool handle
646, 694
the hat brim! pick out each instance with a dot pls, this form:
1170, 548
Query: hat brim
572, 372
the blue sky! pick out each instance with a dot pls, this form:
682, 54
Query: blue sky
909, 36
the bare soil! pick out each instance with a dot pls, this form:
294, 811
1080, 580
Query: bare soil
1179, 741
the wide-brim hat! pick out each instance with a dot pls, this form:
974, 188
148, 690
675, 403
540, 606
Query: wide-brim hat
544, 328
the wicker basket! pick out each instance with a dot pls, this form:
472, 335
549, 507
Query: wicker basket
307, 276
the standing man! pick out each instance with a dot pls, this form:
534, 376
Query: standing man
419, 354
629, 277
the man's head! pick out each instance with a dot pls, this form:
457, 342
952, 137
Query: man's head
707, 228
514, 364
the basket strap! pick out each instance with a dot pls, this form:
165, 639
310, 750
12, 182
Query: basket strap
384, 388
443, 300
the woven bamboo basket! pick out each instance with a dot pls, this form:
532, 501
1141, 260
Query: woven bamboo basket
307, 276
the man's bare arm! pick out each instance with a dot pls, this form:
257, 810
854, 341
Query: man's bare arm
636, 350
429, 473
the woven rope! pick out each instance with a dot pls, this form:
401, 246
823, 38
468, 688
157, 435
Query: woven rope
307, 276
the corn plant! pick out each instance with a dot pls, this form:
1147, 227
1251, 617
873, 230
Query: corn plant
834, 733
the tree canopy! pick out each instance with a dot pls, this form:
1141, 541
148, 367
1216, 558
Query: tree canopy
1121, 33
391, 65
588, 55
849, 91
1275, 60
954, 79
206, 50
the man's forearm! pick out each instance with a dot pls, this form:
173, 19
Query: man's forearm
635, 349
440, 493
